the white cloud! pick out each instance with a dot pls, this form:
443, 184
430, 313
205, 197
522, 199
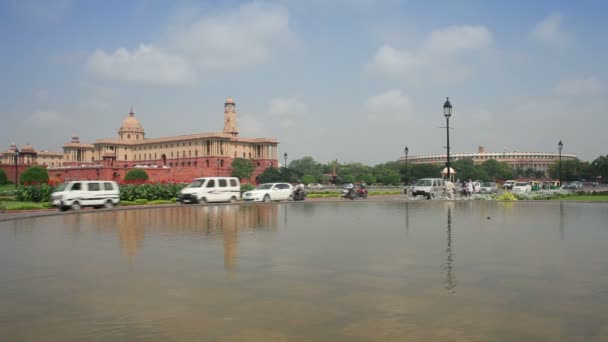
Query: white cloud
391, 104
285, 106
192, 46
550, 31
440, 56
42, 117
147, 65
459, 38
234, 39
584, 86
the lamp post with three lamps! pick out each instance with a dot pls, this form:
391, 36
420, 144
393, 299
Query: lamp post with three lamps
16, 160
560, 145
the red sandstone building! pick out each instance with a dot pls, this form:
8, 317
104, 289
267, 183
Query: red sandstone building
178, 158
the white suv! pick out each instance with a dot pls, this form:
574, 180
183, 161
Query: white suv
78, 194
429, 187
270, 192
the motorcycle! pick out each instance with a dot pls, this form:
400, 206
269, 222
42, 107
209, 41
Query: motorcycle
299, 194
349, 194
362, 193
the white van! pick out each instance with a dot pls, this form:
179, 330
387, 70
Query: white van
211, 189
429, 187
77, 194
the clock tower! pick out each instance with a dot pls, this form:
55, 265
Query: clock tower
230, 118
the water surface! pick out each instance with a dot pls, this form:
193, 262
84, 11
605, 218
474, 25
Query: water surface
310, 271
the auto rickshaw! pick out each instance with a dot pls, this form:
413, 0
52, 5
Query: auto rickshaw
555, 185
535, 185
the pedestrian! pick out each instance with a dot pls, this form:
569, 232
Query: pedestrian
470, 188
449, 189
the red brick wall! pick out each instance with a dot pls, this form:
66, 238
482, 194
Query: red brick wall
10, 170
172, 174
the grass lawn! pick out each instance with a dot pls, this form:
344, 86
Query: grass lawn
14, 205
586, 198
7, 188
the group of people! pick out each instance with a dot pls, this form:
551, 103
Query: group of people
468, 188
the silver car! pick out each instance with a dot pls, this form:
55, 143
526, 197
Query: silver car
489, 188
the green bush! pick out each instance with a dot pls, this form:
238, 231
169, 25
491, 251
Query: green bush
141, 201
151, 192
307, 179
247, 187
506, 196
34, 193
136, 175
34, 175
162, 202
3, 177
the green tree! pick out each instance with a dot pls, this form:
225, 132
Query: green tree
599, 168
271, 174
307, 179
242, 168
135, 175
368, 178
34, 175
466, 169
417, 171
3, 177
497, 170
571, 170
307, 166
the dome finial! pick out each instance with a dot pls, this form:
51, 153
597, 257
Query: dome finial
131, 112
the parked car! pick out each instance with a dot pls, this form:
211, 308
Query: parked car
574, 185
211, 189
489, 188
269, 192
78, 194
316, 186
429, 187
522, 187
508, 185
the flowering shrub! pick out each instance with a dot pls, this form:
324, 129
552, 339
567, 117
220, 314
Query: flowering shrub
150, 192
34, 193
542, 194
506, 196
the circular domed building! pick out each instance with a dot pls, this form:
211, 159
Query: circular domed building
131, 128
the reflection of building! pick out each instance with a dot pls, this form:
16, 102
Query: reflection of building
180, 158
537, 161
225, 221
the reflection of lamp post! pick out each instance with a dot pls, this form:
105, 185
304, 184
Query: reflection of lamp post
560, 145
16, 156
447, 112
285, 157
406, 150
218, 167
450, 281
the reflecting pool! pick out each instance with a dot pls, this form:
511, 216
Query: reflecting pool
481, 271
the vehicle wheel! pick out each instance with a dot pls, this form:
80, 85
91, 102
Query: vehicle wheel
232, 199
365, 195
109, 204
75, 206
203, 200
266, 198
291, 198
63, 208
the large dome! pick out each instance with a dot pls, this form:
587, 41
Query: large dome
131, 124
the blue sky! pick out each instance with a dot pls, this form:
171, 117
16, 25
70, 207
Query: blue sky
353, 80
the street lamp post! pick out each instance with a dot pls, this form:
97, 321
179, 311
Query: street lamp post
447, 112
560, 145
285, 157
406, 151
218, 166
16, 157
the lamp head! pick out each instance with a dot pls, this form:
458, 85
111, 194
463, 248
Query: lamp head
447, 108
560, 145
406, 150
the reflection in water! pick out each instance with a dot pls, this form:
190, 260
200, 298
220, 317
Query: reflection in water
450, 278
133, 226
407, 217
562, 230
